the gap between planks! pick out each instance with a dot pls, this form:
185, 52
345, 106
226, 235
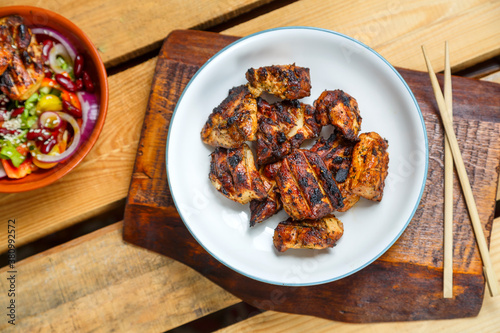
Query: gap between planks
98, 280
104, 279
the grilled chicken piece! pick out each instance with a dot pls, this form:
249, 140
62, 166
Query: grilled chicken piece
233, 122
340, 110
261, 210
336, 152
308, 234
22, 70
350, 199
307, 188
370, 163
6, 49
233, 173
283, 81
283, 126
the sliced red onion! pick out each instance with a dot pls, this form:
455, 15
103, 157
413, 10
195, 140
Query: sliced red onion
90, 111
2, 171
58, 50
50, 120
59, 37
71, 149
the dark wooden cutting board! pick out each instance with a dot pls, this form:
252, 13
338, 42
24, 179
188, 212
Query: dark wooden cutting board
403, 284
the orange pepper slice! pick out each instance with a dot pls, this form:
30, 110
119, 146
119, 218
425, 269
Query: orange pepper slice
21, 171
71, 98
47, 82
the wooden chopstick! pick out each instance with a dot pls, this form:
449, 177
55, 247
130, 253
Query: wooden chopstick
448, 188
464, 181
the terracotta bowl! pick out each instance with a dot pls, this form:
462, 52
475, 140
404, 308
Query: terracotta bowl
39, 17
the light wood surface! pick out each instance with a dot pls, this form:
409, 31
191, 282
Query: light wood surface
122, 29
131, 289
396, 29
113, 285
99, 283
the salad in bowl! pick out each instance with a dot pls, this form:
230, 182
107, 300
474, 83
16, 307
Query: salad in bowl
50, 99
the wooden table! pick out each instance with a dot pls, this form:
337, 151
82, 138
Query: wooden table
97, 282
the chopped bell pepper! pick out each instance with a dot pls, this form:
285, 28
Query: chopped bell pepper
71, 98
21, 171
47, 82
16, 155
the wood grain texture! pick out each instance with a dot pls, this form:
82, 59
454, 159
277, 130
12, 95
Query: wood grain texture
494, 77
86, 191
97, 282
406, 282
397, 29
123, 29
486, 321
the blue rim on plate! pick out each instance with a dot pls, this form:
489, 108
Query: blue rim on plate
425, 172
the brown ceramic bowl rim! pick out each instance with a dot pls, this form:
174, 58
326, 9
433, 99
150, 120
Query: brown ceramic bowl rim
41, 17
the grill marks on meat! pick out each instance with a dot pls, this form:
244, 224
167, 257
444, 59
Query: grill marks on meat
336, 152
369, 168
307, 188
21, 64
233, 173
283, 126
310, 234
308, 184
6, 49
233, 122
283, 81
261, 210
340, 110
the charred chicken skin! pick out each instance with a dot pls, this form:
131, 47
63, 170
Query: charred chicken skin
233, 173
309, 234
6, 49
283, 81
21, 64
369, 167
336, 152
307, 188
339, 109
233, 122
261, 210
283, 126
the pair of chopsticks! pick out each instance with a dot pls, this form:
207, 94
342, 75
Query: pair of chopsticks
445, 109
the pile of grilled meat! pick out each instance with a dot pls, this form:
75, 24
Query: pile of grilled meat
21, 65
309, 184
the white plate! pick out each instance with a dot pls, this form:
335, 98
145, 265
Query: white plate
336, 62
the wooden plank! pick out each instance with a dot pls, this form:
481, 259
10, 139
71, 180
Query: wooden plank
86, 191
486, 321
397, 29
494, 77
123, 29
407, 279
97, 281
